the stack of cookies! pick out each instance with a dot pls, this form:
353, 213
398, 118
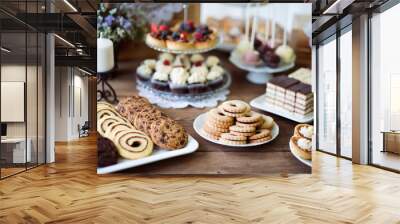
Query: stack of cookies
234, 123
129, 142
163, 131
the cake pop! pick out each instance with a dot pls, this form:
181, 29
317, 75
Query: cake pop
251, 57
271, 59
243, 46
286, 53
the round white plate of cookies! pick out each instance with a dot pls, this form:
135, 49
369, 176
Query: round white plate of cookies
234, 124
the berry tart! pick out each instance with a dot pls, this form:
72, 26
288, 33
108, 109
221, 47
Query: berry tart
158, 35
184, 36
204, 37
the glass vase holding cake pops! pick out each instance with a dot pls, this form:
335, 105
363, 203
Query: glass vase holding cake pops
260, 55
179, 48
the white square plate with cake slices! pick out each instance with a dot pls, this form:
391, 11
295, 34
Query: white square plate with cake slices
201, 120
157, 155
262, 104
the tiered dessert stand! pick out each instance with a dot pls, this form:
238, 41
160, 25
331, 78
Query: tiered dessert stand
262, 73
169, 99
259, 74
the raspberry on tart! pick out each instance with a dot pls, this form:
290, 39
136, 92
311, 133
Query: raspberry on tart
204, 37
187, 26
158, 35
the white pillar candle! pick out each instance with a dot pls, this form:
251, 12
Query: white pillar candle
105, 55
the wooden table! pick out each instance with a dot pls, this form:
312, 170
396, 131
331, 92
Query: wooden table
211, 158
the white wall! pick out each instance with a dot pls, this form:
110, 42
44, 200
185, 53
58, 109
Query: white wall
71, 103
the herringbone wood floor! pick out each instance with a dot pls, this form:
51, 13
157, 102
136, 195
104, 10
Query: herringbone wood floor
69, 191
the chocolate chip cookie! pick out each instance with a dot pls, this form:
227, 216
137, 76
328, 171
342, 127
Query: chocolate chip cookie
168, 134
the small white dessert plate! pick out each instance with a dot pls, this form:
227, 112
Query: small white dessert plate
157, 155
306, 162
262, 104
201, 119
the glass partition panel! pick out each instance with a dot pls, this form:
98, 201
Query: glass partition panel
32, 98
23, 88
14, 153
41, 110
346, 94
385, 89
327, 97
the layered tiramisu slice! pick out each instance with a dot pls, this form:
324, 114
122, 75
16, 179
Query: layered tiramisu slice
304, 100
271, 88
276, 89
290, 96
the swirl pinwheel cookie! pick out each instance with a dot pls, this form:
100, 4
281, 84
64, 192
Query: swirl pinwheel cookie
106, 121
133, 144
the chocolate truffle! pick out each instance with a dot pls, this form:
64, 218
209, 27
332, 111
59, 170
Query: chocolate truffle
106, 152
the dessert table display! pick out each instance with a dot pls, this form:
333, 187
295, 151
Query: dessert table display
162, 118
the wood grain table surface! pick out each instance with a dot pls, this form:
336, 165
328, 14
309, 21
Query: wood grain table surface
211, 158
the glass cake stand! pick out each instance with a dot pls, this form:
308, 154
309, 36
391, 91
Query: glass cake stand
261, 74
188, 51
172, 100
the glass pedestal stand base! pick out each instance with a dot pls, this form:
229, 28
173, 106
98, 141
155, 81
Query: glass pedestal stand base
260, 78
261, 74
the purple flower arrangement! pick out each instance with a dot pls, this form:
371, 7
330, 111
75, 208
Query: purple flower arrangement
114, 24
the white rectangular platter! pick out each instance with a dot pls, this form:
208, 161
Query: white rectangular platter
262, 104
157, 155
